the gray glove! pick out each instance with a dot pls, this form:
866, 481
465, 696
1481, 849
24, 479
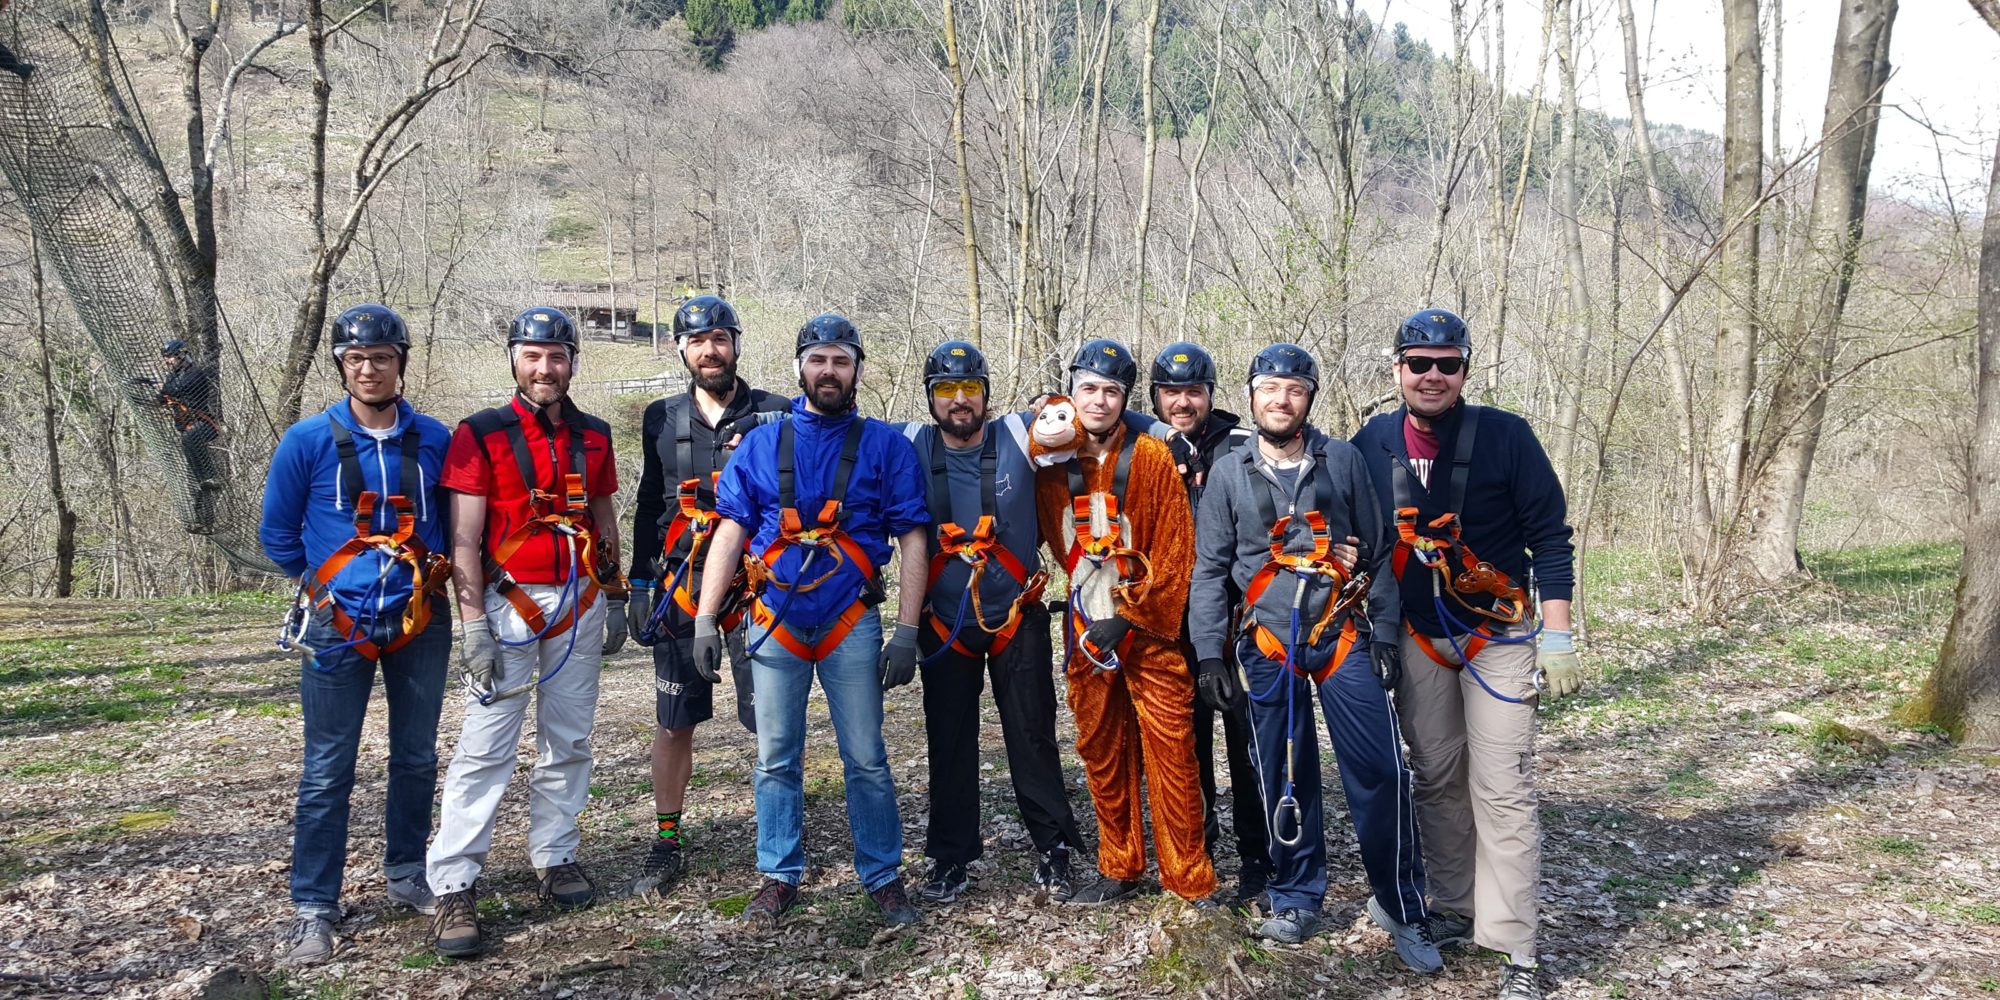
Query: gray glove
899, 657
614, 625
641, 610
478, 657
707, 649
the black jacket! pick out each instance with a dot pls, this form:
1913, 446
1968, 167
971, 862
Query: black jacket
659, 484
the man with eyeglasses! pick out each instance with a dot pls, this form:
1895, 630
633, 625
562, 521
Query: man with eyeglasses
1481, 523
341, 485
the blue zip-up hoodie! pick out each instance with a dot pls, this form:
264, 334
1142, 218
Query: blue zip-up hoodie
885, 498
1514, 515
306, 514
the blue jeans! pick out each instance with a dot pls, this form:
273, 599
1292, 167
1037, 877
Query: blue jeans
333, 698
852, 680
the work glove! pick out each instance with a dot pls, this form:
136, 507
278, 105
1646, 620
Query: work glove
1217, 684
707, 649
641, 612
478, 657
1387, 660
614, 625
1555, 659
1103, 637
899, 657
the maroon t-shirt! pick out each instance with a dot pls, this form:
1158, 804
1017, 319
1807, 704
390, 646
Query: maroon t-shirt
1423, 448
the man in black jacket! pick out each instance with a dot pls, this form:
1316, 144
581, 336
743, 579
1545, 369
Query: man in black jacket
686, 440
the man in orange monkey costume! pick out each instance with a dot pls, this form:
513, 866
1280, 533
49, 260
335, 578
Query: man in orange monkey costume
1114, 512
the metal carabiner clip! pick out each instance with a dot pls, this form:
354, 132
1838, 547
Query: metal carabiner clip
1288, 806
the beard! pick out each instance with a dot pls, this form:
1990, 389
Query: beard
1279, 428
544, 393
718, 383
958, 420
831, 396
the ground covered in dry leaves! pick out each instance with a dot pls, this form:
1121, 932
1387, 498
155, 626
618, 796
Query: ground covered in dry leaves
1730, 811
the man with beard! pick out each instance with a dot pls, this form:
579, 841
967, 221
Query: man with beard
1118, 514
1183, 388
685, 443
1308, 626
534, 555
1479, 518
820, 496
985, 614
341, 485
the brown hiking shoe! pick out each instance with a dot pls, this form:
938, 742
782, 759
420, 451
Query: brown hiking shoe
773, 900
566, 886
455, 928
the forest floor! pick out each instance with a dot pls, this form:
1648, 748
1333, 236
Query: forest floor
1697, 843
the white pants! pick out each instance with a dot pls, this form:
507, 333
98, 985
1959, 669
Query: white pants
559, 785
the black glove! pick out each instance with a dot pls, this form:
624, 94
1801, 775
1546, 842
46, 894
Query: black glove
707, 649
641, 612
1217, 684
1104, 635
899, 657
1183, 450
1387, 659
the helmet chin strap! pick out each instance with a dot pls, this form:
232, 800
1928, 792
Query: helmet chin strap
377, 407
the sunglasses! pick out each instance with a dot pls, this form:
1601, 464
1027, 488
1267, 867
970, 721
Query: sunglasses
1421, 365
946, 390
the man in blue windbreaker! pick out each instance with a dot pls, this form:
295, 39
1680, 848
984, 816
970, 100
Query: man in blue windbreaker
821, 496
352, 510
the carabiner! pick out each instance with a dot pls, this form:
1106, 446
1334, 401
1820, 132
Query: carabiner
1287, 805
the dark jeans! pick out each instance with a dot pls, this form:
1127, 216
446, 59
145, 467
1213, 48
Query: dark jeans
1245, 806
1025, 693
334, 703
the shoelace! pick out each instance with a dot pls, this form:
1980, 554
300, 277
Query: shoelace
302, 927
456, 905
564, 873
1519, 982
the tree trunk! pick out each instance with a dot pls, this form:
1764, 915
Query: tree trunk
958, 150
1742, 187
65, 517
1791, 428
1151, 27
1576, 356
1510, 223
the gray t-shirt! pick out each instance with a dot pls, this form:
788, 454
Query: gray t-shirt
1013, 507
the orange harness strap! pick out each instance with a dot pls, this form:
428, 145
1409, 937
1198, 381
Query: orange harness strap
429, 572
1350, 591
825, 535
697, 524
978, 548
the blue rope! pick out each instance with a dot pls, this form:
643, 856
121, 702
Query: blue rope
1449, 621
958, 624
569, 594
784, 605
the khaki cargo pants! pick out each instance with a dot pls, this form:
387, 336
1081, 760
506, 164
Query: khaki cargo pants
1474, 759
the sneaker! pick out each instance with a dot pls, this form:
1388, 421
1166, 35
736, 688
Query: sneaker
946, 882
1450, 927
1052, 873
308, 940
566, 886
455, 928
1520, 982
1104, 890
1290, 926
413, 891
1413, 941
895, 904
665, 863
773, 900
1250, 884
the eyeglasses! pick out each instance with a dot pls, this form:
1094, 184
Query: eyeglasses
946, 390
1420, 365
355, 362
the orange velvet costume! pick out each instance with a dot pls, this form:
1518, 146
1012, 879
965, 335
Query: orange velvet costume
1139, 715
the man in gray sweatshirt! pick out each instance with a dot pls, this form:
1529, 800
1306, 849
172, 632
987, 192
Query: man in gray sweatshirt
1267, 524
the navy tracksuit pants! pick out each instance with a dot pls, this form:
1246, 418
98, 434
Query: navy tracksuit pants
1368, 752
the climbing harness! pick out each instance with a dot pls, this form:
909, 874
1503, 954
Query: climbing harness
978, 548
825, 536
1099, 536
693, 523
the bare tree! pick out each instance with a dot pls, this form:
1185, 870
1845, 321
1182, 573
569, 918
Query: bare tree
1736, 334
1576, 283
969, 231
1151, 26
58, 494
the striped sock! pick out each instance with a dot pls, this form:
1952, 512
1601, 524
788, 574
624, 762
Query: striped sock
670, 827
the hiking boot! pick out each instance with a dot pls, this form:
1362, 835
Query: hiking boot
945, 884
1450, 927
773, 900
1520, 982
1413, 941
1290, 926
1052, 873
566, 886
308, 940
664, 864
413, 891
1250, 883
455, 928
1104, 890
895, 904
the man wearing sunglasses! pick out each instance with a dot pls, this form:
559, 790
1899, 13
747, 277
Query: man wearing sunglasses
1481, 521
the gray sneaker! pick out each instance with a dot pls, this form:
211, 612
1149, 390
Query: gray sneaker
1450, 927
1413, 941
1290, 926
413, 891
308, 940
1520, 982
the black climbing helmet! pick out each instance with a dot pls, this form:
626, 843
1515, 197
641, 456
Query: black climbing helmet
704, 313
369, 325
543, 325
828, 328
955, 359
1288, 360
173, 347
1183, 363
1108, 358
1434, 328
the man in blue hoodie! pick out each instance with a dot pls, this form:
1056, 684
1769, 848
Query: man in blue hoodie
821, 496
1481, 524
352, 510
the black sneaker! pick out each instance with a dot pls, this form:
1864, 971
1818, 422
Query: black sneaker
566, 886
1104, 890
1450, 927
1052, 873
665, 863
1250, 885
773, 900
945, 884
455, 927
1520, 982
894, 901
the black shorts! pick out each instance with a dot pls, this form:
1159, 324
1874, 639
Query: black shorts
682, 698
